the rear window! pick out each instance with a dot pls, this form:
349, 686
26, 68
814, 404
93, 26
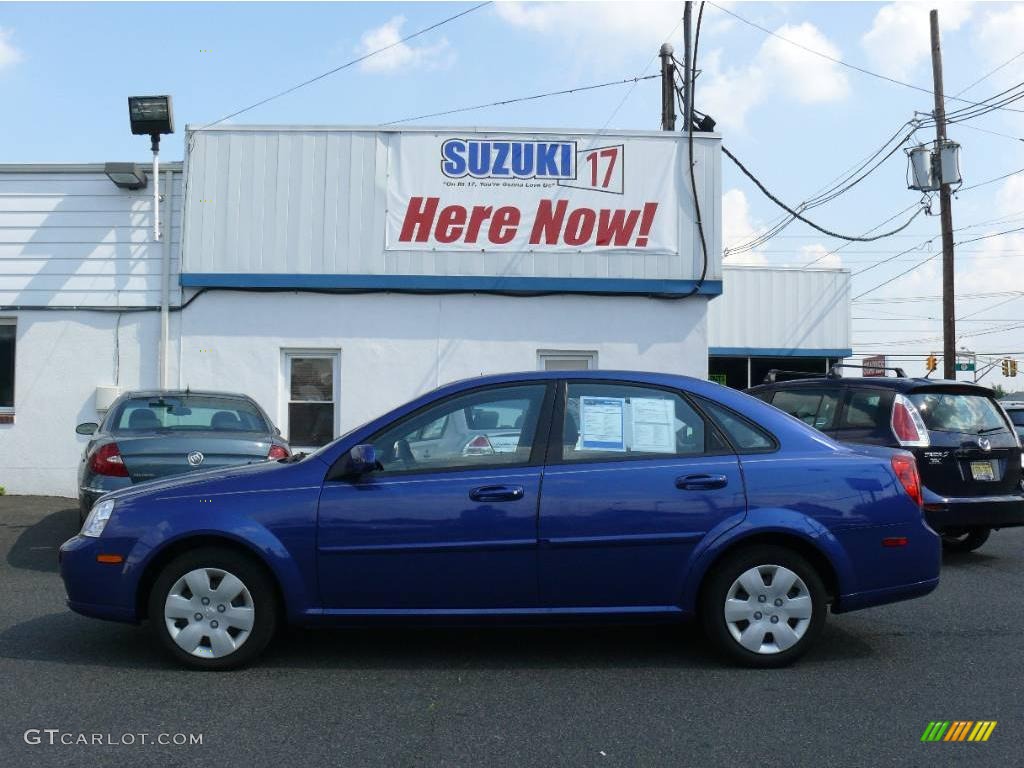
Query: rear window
189, 413
955, 412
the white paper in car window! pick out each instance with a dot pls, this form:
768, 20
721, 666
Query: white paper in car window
602, 423
653, 425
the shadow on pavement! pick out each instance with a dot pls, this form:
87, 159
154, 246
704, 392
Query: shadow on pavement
36, 547
74, 640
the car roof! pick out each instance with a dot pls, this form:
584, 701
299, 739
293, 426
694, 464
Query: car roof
896, 383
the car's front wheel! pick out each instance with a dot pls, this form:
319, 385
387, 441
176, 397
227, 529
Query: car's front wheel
764, 606
213, 609
965, 540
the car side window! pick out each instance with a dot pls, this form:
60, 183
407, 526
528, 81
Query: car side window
866, 409
814, 407
492, 427
745, 436
612, 422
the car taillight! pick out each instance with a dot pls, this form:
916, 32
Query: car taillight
478, 446
907, 424
906, 472
106, 460
277, 452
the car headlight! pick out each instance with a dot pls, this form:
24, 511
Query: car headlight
97, 519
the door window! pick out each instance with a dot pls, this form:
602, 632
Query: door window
814, 407
492, 427
605, 422
311, 380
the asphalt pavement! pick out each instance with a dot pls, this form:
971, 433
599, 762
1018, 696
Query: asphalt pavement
626, 696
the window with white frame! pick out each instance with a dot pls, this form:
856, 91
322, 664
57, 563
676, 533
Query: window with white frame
311, 396
566, 360
8, 334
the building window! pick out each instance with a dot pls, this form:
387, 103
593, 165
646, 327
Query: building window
566, 360
8, 332
311, 388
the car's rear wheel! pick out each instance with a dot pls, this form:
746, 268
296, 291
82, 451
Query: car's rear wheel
965, 539
764, 606
213, 609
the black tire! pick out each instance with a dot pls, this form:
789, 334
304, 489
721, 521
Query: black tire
716, 590
965, 540
263, 604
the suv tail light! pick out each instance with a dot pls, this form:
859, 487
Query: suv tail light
907, 424
106, 460
277, 452
905, 468
478, 446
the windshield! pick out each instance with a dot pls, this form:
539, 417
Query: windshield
955, 412
187, 413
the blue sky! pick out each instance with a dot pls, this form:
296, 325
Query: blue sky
797, 120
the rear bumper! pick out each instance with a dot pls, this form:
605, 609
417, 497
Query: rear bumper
874, 597
944, 512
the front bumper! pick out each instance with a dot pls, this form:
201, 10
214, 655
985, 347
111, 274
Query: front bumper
949, 512
99, 590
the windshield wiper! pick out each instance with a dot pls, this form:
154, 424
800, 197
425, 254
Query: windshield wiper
989, 429
294, 458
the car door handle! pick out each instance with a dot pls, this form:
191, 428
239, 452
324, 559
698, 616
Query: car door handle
701, 482
497, 493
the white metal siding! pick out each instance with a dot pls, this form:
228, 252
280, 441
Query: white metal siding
72, 238
295, 200
777, 308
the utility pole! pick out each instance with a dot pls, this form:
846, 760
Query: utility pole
946, 213
668, 89
687, 67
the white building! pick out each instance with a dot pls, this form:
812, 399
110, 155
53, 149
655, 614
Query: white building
373, 264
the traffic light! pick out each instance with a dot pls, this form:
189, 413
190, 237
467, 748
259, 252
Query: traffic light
1006, 366
932, 363
1013, 367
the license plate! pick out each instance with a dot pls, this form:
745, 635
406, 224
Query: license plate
982, 470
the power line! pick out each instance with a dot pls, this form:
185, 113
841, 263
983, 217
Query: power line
567, 91
990, 73
990, 181
925, 261
808, 222
352, 62
834, 60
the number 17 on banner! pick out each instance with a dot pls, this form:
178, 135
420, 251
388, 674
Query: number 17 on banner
599, 169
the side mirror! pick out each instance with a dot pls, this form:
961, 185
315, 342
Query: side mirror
87, 428
362, 459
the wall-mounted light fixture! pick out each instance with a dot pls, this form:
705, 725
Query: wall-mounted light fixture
126, 175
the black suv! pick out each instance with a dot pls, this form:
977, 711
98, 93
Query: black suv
968, 453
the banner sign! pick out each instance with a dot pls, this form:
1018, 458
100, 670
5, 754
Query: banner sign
481, 192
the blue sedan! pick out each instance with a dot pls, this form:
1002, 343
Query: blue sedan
550, 496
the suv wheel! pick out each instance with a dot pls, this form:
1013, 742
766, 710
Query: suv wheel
213, 609
764, 606
965, 539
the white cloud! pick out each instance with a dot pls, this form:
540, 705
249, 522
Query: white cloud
778, 69
403, 55
807, 78
9, 55
899, 40
737, 227
820, 256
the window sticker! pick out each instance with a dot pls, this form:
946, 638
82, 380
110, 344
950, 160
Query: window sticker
653, 425
601, 423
